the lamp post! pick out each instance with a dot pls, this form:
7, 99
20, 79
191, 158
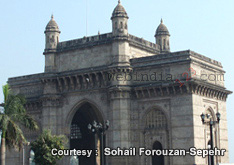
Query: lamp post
24, 144
206, 119
98, 128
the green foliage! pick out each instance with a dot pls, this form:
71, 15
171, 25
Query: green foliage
13, 116
44, 144
5, 90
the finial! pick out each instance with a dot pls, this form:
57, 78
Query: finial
161, 20
52, 16
119, 1
99, 32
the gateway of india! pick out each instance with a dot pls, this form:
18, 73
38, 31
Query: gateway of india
152, 97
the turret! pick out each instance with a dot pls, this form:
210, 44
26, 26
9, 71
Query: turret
52, 39
163, 37
51, 35
119, 21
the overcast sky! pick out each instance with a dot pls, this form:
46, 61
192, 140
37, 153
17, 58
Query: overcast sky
204, 26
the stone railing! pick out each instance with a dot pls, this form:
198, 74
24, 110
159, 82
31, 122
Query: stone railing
177, 55
202, 57
143, 42
84, 41
159, 57
32, 77
103, 38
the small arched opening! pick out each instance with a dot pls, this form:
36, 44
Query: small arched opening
157, 159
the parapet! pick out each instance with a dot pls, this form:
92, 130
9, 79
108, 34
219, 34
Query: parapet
105, 39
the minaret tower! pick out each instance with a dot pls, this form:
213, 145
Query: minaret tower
119, 21
120, 91
163, 38
51, 41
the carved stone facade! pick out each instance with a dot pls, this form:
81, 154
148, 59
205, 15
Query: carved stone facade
148, 93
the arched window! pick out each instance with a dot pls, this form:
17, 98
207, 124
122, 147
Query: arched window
52, 38
31, 158
159, 42
157, 159
126, 26
121, 25
47, 39
155, 119
116, 25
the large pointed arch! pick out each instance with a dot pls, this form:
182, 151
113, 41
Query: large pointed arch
78, 119
96, 108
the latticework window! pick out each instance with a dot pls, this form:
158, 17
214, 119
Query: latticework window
75, 132
155, 119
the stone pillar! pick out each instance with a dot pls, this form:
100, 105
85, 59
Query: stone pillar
182, 127
120, 123
120, 52
50, 107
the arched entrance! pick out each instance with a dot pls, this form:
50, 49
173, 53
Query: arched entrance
81, 137
157, 159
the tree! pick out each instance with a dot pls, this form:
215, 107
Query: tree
12, 117
43, 146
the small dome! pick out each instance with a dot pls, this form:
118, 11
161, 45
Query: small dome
52, 25
119, 11
162, 29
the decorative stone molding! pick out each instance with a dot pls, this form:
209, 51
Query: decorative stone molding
86, 80
33, 106
76, 82
120, 92
51, 101
191, 87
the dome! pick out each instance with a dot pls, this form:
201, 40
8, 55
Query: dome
52, 25
119, 11
162, 29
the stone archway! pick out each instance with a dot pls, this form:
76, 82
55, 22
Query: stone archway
81, 137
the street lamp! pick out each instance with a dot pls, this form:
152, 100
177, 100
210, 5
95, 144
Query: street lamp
210, 122
98, 128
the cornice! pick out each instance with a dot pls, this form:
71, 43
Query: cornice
173, 89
